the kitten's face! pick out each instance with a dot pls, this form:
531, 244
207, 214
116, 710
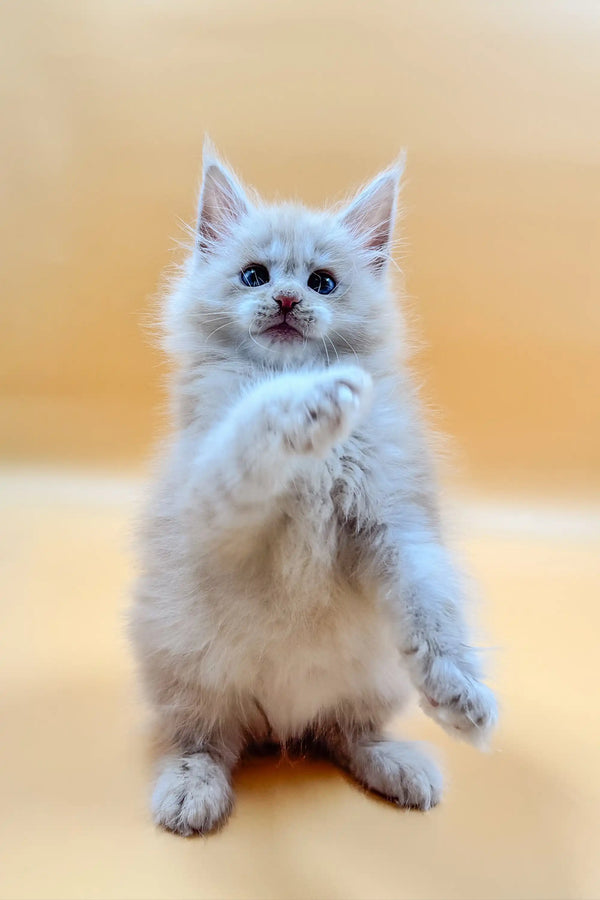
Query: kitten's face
281, 284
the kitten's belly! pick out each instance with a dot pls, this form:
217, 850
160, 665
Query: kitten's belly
305, 696
304, 677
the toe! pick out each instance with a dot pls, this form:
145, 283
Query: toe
192, 795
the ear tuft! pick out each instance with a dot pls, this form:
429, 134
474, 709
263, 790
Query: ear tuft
223, 201
370, 216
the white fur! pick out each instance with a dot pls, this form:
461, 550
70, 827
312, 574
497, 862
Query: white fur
293, 581
400, 771
192, 794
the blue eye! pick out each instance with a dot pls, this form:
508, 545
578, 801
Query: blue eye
321, 282
255, 275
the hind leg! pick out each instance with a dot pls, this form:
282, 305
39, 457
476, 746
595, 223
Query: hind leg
401, 771
193, 793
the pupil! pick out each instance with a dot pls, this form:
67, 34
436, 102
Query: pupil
321, 282
254, 276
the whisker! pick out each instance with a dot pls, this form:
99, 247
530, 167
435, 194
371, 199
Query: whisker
224, 325
334, 348
262, 346
206, 320
348, 344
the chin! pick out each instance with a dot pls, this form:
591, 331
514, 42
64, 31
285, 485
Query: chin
279, 347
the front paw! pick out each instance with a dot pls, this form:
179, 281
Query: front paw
328, 410
460, 703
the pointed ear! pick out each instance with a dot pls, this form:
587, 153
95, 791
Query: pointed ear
223, 200
370, 216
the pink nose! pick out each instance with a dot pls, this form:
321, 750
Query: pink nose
285, 302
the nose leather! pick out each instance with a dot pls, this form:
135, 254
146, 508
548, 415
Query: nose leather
286, 302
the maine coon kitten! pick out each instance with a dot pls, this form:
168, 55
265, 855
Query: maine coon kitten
294, 583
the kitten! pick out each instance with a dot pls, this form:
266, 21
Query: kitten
294, 584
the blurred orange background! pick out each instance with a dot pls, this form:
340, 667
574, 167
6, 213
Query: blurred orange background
104, 106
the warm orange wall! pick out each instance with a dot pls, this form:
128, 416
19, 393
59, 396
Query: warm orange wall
104, 107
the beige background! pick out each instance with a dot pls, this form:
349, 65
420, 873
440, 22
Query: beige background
104, 105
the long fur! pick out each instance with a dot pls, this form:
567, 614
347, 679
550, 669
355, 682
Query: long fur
293, 580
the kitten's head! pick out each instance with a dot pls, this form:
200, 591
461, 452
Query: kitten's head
280, 283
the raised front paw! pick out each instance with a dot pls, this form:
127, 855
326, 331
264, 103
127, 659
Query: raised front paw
460, 703
327, 410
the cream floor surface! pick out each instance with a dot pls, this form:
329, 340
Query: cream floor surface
520, 822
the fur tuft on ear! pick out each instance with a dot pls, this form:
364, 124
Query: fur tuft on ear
223, 200
370, 216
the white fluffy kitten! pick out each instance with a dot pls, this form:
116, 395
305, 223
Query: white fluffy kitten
293, 579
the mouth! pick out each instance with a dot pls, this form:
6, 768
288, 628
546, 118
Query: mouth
283, 331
